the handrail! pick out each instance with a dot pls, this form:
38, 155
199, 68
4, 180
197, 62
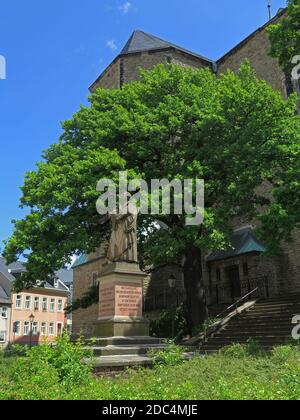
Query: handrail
219, 321
235, 305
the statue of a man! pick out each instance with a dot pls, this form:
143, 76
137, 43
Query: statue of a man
123, 240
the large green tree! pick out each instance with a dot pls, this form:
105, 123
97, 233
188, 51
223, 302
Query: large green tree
285, 37
233, 131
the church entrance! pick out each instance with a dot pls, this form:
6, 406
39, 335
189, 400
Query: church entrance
233, 276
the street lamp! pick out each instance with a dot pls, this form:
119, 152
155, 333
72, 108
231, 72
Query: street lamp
172, 284
31, 320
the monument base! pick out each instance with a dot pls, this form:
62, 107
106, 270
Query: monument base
122, 328
121, 302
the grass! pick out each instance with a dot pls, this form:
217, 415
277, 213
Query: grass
238, 373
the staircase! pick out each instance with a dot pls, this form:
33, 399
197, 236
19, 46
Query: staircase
268, 322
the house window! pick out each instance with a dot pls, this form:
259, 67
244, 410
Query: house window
19, 302
45, 305
218, 275
51, 328
169, 59
27, 302
56, 284
43, 329
52, 305
16, 328
2, 336
246, 269
36, 303
4, 312
26, 328
60, 305
35, 328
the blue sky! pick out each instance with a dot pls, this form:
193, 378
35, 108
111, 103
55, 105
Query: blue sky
54, 50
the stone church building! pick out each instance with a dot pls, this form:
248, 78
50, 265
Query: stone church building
230, 274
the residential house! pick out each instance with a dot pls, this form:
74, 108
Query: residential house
37, 314
5, 308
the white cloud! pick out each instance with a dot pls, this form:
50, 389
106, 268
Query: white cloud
125, 7
111, 44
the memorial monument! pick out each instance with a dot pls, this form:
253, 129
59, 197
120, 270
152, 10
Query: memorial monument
121, 281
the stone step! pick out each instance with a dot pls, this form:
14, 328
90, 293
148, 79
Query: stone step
119, 361
287, 304
123, 341
221, 341
277, 310
258, 333
272, 311
261, 318
265, 325
126, 350
287, 298
113, 362
263, 321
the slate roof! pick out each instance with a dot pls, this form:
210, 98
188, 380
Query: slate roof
142, 41
66, 276
82, 259
4, 296
243, 242
8, 274
14, 267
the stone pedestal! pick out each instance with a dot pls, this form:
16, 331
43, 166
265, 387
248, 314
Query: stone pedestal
121, 302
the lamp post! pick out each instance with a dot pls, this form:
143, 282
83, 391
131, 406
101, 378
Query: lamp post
31, 320
172, 284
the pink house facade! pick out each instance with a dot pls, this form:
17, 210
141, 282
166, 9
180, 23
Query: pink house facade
38, 316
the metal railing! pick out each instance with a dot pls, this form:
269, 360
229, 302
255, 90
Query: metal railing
165, 300
219, 320
236, 304
223, 293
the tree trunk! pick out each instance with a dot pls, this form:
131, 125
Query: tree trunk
194, 286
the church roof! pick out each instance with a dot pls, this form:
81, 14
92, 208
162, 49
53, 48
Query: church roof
81, 260
142, 41
243, 242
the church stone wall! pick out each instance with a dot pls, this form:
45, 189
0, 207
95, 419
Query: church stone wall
256, 50
84, 278
110, 79
126, 69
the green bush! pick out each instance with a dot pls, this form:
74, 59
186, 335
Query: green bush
240, 351
172, 355
162, 327
43, 368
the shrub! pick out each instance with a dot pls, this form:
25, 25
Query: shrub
172, 355
240, 351
162, 327
45, 367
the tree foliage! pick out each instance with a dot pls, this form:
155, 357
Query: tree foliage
285, 36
